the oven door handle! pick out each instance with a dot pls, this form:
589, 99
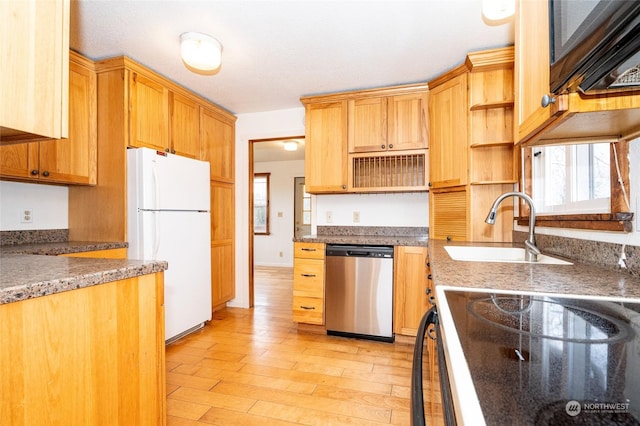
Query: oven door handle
417, 395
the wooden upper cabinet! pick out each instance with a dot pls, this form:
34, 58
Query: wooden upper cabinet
185, 126
532, 69
326, 147
367, 124
217, 144
448, 132
72, 160
407, 121
34, 68
148, 113
388, 123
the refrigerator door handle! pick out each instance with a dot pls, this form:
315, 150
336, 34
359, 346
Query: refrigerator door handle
156, 186
156, 227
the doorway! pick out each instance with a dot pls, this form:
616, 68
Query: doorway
261, 153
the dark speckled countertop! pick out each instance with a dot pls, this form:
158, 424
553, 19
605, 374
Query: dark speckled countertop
369, 235
63, 247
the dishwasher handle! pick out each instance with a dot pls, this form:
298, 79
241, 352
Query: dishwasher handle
359, 253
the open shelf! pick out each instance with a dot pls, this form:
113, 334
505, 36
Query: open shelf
491, 105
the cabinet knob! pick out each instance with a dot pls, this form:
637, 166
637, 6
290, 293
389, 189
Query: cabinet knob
382, 146
173, 151
430, 184
166, 150
427, 291
547, 100
45, 174
34, 172
390, 145
429, 277
344, 186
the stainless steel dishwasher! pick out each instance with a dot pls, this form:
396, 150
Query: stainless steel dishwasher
359, 291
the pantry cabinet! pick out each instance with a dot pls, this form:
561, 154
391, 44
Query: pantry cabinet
572, 117
223, 286
308, 283
413, 289
473, 160
67, 161
34, 64
217, 143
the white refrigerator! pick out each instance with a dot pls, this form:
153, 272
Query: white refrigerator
169, 219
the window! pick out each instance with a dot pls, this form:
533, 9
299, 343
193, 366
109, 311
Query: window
578, 186
572, 179
261, 203
306, 206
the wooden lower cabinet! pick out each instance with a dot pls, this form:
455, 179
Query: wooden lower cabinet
411, 284
223, 287
308, 283
94, 355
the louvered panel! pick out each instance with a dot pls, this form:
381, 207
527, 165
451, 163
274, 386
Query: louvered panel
449, 215
388, 172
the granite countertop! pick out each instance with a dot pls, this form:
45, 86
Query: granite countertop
579, 279
57, 248
28, 276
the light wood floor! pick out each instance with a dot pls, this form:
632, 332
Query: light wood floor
249, 367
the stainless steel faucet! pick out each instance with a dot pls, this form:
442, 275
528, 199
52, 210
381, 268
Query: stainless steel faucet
531, 251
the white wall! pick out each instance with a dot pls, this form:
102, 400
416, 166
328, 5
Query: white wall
49, 204
276, 249
632, 238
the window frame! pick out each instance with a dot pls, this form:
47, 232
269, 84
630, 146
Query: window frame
618, 219
267, 176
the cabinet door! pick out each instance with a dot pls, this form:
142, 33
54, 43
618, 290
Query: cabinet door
222, 243
410, 289
326, 147
74, 160
33, 65
148, 113
19, 160
532, 68
449, 215
217, 139
367, 125
185, 126
407, 115
448, 129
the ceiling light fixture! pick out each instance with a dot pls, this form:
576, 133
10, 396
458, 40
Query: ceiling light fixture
497, 10
200, 51
291, 146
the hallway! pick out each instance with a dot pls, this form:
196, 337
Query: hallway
250, 367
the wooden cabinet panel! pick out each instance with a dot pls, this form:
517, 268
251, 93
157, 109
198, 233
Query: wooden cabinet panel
217, 145
448, 214
326, 147
223, 287
34, 68
448, 129
411, 283
185, 126
308, 277
367, 124
72, 160
308, 310
93, 356
19, 160
408, 121
309, 250
148, 113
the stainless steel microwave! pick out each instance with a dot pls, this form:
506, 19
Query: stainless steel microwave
594, 45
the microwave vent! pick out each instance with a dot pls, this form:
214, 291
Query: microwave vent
630, 77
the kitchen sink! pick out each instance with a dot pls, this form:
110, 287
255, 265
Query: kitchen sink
497, 254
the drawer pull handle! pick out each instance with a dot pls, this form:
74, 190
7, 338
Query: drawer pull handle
308, 275
307, 307
307, 249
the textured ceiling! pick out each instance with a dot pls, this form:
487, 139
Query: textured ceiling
276, 51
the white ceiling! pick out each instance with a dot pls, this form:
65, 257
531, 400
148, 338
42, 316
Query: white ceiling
276, 51
274, 151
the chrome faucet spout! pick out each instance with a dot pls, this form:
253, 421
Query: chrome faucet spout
532, 251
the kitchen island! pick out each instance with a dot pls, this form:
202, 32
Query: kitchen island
81, 340
485, 374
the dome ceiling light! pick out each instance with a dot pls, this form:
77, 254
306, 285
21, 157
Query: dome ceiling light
200, 52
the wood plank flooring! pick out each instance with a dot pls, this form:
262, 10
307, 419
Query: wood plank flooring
252, 366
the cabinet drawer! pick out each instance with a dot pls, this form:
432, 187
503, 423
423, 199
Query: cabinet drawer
308, 310
309, 250
308, 278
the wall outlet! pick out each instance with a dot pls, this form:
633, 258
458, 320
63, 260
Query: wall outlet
356, 217
281, 254
26, 215
329, 217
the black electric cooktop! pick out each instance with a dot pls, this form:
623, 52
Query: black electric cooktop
538, 360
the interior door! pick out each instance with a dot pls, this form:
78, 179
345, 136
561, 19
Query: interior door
302, 209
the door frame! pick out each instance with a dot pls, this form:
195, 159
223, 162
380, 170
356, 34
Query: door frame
250, 181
